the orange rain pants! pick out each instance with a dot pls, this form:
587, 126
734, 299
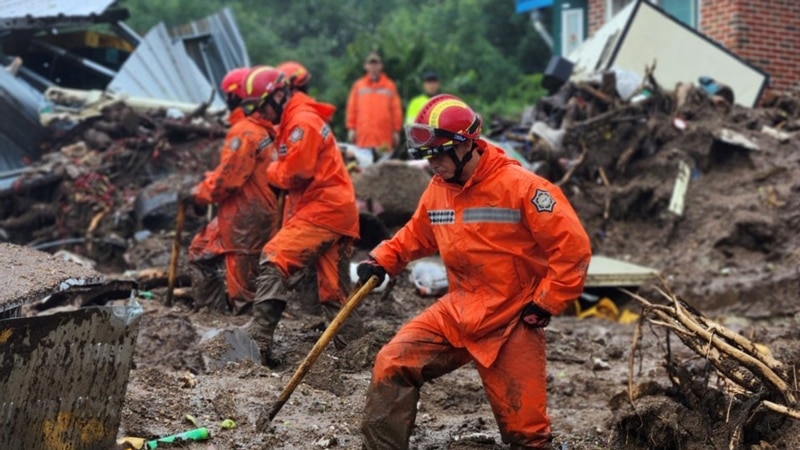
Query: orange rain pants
245, 218
300, 244
514, 384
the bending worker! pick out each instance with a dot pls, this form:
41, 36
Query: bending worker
321, 216
515, 253
246, 208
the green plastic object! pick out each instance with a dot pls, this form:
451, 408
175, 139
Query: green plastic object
198, 434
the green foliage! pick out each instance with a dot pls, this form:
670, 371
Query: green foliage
483, 51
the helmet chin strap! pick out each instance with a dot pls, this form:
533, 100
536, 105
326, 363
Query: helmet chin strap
459, 164
278, 108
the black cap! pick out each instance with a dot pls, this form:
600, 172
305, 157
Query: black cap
430, 76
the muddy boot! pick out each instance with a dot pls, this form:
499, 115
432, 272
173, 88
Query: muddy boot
261, 328
208, 286
352, 328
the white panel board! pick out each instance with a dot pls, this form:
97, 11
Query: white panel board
641, 34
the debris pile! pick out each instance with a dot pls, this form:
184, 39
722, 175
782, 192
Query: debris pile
101, 182
686, 182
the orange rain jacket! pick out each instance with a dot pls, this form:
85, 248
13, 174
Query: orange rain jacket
374, 111
507, 237
310, 167
247, 207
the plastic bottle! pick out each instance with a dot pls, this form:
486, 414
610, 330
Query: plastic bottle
198, 434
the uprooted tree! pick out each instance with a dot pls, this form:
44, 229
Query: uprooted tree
738, 397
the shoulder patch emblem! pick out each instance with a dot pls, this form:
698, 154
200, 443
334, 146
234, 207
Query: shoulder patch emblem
296, 135
326, 130
235, 144
543, 201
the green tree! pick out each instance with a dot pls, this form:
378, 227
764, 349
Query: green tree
482, 50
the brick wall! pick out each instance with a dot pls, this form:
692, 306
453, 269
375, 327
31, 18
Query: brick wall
765, 33
597, 15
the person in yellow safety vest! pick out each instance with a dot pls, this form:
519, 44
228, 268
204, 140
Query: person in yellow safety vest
430, 88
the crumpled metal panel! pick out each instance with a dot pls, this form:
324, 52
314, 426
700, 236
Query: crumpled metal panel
20, 129
161, 68
215, 45
29, 275
14, 11
64, 377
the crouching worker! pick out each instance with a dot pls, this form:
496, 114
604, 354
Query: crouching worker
320, 218
515, 254
246, 208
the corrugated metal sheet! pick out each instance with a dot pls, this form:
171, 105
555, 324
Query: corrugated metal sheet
20, 129
161, 68
215, 44
15, 12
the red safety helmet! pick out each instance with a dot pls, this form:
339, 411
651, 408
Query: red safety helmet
444, 121
259, 84
233, 81
296, 73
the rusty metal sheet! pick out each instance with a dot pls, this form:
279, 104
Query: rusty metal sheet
64, 377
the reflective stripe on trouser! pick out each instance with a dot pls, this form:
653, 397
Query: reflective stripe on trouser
301, 244
514, 384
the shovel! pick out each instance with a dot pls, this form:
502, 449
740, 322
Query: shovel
176, 250
354, 300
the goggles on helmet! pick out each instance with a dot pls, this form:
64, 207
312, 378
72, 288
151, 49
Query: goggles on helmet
419, 135
430, 152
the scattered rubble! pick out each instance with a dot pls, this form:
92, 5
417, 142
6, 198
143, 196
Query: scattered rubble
675, 181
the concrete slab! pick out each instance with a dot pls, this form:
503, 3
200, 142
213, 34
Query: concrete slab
609, 272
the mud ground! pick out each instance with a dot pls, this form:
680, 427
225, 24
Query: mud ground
734, 255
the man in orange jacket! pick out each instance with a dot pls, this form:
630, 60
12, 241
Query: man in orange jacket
374, 114
246, 208
321, 216
515, 254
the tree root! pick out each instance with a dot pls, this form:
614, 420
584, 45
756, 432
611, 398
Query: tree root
756, 379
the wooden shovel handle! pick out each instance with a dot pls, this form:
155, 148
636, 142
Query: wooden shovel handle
322, 342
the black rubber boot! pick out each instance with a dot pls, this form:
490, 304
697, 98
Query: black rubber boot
261, 328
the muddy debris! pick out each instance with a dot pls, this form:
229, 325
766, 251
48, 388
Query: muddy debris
732, 253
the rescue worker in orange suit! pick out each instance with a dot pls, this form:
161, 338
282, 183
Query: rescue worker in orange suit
515, 253
246, 208
321, 216
296, 74
374, 116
